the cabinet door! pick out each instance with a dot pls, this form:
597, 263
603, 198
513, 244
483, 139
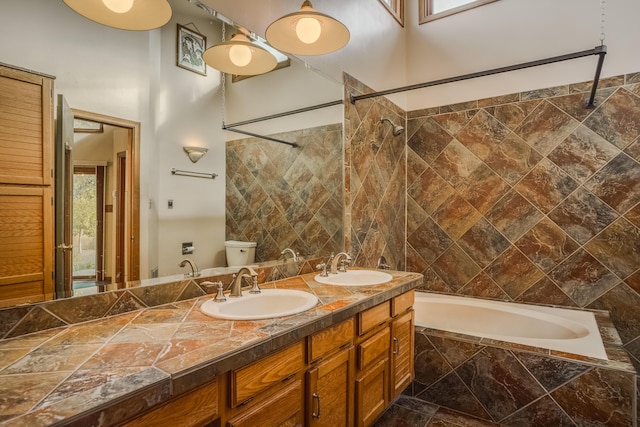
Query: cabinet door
26, 127
330, 393
372, 393
283, 409
402, 342
26, 245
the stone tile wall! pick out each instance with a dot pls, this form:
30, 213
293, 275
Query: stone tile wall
532, 198
280, 196
523, 387
527, 197
375, 180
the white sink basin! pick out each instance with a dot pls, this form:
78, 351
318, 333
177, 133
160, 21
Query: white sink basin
267, 304
356, 278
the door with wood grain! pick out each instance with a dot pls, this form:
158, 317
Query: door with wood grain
26, 179
64, 199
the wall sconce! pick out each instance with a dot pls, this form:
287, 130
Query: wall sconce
195, 153
240, 56
307, 32
124, 14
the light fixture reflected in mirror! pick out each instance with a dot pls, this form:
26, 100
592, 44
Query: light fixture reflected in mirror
124, 14
307, 32
195, 153
240, 56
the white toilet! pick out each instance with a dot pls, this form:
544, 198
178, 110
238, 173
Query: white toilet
240, 253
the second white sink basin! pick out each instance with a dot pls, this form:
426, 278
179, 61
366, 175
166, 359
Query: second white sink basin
356, 278
267, 304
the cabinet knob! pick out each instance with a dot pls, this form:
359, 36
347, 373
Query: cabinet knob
396, 346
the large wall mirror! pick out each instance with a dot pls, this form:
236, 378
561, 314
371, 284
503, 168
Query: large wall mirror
264, 191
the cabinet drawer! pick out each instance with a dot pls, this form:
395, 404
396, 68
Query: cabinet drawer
331, 339
198, 407
375, 316
373, 348
284, 408
247, 382
402, 303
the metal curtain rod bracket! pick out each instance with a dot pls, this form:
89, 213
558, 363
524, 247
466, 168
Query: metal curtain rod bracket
601, 51
268, 138
175, 171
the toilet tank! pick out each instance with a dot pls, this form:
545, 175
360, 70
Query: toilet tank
240, 253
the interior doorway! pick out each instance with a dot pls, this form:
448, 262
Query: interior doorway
106, 181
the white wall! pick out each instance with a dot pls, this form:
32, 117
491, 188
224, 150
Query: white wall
509, 32
502, 33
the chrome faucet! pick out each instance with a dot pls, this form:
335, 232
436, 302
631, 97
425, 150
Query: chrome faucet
343, 263
382, 263
236, 283
195, 272
294, 256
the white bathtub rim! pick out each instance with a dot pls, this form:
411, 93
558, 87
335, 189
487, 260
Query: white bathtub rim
589, 345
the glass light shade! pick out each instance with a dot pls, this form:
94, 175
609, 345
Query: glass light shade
195, 153
289, 33
119, 6
240, 55
143, 14
308, 30
231, 57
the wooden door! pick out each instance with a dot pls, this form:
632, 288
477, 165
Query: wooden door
64, 199
330, 391
26, 177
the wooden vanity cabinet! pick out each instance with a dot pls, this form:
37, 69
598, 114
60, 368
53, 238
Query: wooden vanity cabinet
329, 378
372, 367
345, 375
402, 344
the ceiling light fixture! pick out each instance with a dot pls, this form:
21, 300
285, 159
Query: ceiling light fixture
240, 56
124, 14
195, 153
307, 32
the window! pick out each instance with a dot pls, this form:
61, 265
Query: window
431, 10
396, 9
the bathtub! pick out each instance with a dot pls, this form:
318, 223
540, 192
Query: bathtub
565, 330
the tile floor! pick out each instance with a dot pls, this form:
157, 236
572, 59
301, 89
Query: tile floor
411, 412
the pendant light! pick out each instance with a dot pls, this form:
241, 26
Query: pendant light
307, 32
124, 14
240, 56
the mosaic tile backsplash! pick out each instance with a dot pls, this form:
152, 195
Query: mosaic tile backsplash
279, 196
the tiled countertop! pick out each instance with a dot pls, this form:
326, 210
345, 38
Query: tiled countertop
105, 371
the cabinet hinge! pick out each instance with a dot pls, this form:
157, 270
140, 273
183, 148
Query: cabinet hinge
51, 173
51, 200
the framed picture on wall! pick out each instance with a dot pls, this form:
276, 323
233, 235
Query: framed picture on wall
190, 47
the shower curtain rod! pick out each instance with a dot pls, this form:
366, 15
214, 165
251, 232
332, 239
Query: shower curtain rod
230, 127
268, 138
601, 51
